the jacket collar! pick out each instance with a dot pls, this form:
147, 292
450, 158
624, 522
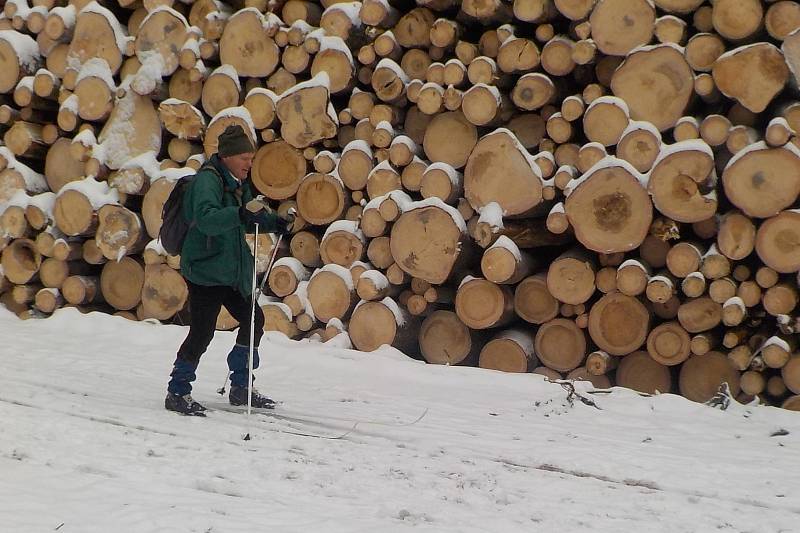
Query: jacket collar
231, 183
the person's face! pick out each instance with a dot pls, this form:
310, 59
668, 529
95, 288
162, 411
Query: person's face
239, 164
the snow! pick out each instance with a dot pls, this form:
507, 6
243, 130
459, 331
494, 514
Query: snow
650, 48
156, 246
26, 82
504, 242
174, 174
85, 137
263, 92
25, 47
97, 192
378, 279
491, 214
493, 451
357, 144
120, 35
523, 339
455, 62
19, 199
348, 226
453, 175
169, 10
641, 125
147, 162
691, 120
283, 307
735, 300
44, 202
698, 275
558, 208
520, 148
340, 271
607, 162
776, 341
68, 14
391, 65
689, 145
740, 49
399, 314
779, 122
609, 100
34, 182
662, 279
97, 67
494, 91
300, 272
239, 112
437, 202
230, 71
633, 263
405, 140
351, 10
332, 42
302, 294
320, 80
433, 86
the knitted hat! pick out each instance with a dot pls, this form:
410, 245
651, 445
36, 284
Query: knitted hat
234, 141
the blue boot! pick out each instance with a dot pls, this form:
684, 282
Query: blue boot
237, 363
179, 388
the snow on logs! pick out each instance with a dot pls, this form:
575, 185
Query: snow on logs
535, 186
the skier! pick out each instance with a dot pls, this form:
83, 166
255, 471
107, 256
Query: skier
218, 267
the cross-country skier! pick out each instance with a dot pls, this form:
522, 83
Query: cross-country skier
218, 267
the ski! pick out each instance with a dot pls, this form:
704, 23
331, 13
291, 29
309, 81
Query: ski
272, 414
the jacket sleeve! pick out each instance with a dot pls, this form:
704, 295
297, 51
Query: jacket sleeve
211, 217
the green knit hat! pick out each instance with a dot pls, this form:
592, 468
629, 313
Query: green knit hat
234, 141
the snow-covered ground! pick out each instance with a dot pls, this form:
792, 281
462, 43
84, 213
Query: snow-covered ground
86, 446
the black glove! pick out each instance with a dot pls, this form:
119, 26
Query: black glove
262, 218
283, 227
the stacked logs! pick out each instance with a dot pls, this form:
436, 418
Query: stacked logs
589, 189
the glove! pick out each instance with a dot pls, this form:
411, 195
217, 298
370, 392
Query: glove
283, 227
260, 217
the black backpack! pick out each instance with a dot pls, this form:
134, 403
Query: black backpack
173, 224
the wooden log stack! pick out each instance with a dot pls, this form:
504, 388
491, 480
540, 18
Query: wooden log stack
596, 189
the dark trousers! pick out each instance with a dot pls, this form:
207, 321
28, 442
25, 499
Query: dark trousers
204, 306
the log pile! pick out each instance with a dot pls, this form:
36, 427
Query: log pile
594, 189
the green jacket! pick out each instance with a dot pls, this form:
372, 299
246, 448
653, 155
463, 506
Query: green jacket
215, 251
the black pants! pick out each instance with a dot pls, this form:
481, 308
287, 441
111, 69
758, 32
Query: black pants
204, 306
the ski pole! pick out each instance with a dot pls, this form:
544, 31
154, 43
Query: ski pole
252, 334
221, 390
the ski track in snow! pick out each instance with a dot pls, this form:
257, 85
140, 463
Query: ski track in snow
86, 445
